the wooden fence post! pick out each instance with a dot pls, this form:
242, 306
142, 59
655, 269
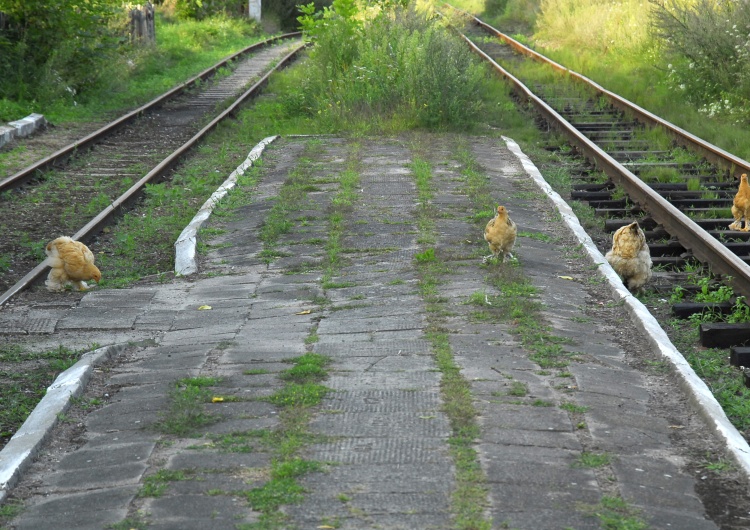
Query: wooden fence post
142, 26
150, 24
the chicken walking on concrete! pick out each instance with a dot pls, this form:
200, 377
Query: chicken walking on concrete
500, 234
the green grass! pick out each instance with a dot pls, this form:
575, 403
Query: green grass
572, 407
592, 460
537, 236
235, 442
308, 368
300, 392
283, 487
341, 203
10, 509
22, 389
724, 380
518, 389
717, 464
469, 498
183, 49
615, 514
156, 485
187, 411
299, 395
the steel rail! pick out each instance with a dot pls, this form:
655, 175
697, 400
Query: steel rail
107, 215
28, 172
703, 246
714, 154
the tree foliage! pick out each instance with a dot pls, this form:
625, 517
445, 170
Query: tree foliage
61, 41
287, 11
708, 46
202, 9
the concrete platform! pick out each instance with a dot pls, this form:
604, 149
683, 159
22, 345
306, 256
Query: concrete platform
382, 431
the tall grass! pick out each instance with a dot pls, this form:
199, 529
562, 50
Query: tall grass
598, 27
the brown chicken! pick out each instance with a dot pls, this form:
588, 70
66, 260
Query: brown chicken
741, 206
500, 234
630, 256
71, 262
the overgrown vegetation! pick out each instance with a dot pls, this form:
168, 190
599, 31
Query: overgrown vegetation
389, 66
186, 410
708, 47
469, 498
615, 513
56, 52
682, 60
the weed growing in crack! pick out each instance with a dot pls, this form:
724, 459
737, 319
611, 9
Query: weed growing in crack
592, 460
469, 499
155, 485
301, 391
186, 410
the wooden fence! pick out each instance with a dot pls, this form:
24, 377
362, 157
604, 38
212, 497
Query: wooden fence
142, 28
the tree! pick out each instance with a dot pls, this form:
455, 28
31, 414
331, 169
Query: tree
62, 39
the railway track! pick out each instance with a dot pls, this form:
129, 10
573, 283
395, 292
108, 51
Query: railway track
98, 177
679, 187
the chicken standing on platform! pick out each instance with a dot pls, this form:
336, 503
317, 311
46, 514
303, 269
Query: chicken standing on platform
71, 262
630, 257
500, 234
741, 206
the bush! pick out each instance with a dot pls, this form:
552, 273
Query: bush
707, 43
287, 11
399, 66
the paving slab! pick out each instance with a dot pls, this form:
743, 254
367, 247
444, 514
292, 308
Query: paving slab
89, 510
193, 512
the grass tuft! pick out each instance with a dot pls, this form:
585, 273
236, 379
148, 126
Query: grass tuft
186, 411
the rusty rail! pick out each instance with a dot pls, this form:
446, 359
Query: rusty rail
28, 172
703, 246
712, 153
107, 215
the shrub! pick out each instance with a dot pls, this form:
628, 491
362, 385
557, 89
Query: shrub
286, 12
389, 63
708, 46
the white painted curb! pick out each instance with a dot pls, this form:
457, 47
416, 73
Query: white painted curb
23, 447
693, 385
184, 259
20, 128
